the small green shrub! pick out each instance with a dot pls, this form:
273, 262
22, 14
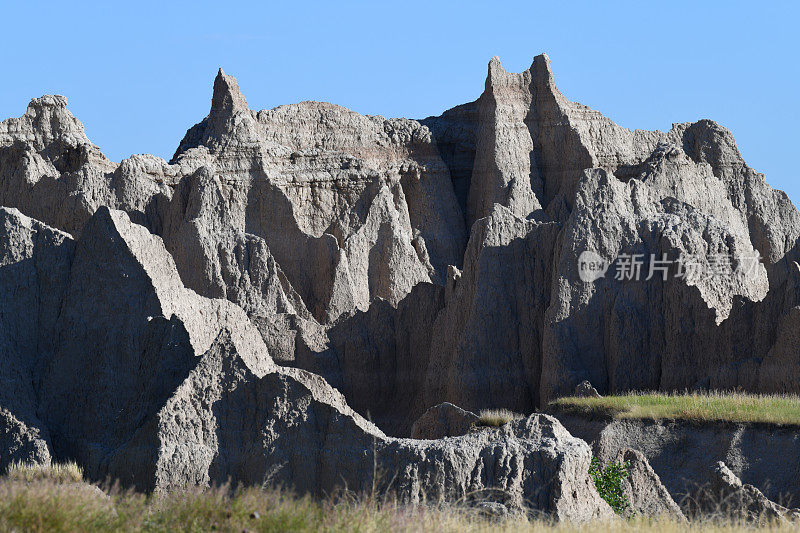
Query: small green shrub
58, 473
496, 417
608, 480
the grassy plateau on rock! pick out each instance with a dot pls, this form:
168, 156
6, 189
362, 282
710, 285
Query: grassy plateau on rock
707, 407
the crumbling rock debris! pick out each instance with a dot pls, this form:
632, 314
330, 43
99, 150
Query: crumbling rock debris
290, 428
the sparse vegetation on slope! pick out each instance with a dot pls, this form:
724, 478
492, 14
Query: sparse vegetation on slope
711, 407
608, 480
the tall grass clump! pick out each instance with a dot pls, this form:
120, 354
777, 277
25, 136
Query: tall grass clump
56, 472
496, 417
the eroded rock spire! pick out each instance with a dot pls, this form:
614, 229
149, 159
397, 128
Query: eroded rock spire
228, 98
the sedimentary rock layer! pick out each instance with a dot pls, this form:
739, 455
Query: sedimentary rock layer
412, 263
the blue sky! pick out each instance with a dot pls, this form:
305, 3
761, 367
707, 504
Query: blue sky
138, 75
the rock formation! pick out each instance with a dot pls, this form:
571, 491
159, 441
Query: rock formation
408, 263
646, 494
584, 389
444, 420
290, 428
35, 265
762, 455
725, 495
160, 388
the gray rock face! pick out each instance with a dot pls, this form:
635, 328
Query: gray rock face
409, 263
764, 456
158, 387
367, 200
219, 260
289, 427
604, 189
726, 495
337, 208
35, 263
443, 420
482, 355
126, 335
377, 358
309, 213
21, 443
615, 192
645, 492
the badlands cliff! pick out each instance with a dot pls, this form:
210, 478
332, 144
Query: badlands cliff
287, 295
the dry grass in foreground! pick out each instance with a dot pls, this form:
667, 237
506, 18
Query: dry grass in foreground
711, 407
43, 505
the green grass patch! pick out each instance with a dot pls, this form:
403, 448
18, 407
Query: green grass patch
703, 407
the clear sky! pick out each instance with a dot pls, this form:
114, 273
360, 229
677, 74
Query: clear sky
139, 75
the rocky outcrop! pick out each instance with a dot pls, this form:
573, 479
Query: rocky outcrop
155, 386
584, 389
377, 358
504, 172
763, 455
290, 428
488, 349
20, 443
600, 188
219, 260
126, 335
443, 420
309, 213
35, 263
725, 495
366, 200
408, 263
336, 208
615, 192
646, 495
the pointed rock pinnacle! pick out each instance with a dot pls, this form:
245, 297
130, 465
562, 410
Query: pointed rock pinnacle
228, 98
